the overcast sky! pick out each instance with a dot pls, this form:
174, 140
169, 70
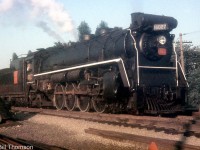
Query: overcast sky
30, 24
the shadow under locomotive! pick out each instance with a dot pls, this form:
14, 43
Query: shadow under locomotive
134, 69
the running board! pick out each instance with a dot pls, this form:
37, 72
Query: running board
119, 61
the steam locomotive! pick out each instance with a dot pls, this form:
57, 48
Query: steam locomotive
134, 69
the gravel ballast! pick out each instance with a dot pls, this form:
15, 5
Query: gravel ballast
70, 133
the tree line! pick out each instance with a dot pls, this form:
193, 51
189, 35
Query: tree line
192, 70
84, 29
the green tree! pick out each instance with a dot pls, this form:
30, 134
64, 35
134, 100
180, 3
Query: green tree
29, 53
14, 56
194, 89
192, 68
102, 27
83, 29
58, 44
192, 61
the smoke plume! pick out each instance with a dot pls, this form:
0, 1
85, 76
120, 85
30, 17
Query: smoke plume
49, 31
54, 11
49, 15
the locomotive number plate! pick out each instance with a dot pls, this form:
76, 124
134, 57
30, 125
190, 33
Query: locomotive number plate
158, 27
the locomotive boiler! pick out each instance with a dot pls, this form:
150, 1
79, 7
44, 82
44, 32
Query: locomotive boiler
132, 69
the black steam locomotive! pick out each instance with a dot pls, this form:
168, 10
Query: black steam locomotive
132, 69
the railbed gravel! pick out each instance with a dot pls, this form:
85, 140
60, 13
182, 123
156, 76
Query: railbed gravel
70, 133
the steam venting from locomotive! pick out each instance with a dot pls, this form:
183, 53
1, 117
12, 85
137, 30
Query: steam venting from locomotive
49, 31
52, 14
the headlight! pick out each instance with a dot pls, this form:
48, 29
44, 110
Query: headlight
156, 47
162, 39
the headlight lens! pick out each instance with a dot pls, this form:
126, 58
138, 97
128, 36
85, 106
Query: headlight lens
162, 39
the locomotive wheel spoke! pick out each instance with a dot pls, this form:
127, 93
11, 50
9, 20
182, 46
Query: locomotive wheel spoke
70, 99
70, 102
59, 96
84, 103
99, 104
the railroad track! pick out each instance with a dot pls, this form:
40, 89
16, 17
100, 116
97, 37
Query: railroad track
157, 142
9, 123
186, 125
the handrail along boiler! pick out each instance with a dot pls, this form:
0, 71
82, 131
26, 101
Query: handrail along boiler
121, 69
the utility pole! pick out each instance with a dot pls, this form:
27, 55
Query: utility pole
181, 48
181, 52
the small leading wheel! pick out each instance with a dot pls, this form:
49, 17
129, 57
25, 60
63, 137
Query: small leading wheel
59, 96
99, 104
38, 101
84, 103
31, 99
70, 99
